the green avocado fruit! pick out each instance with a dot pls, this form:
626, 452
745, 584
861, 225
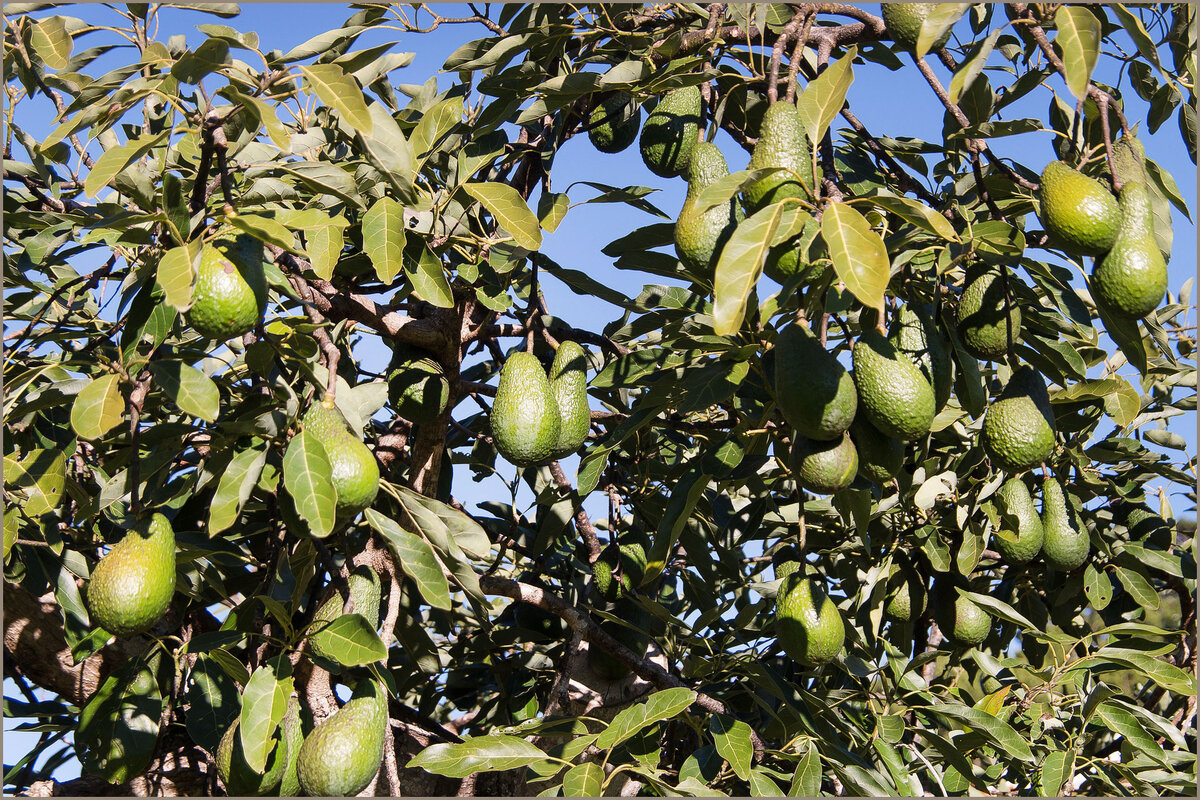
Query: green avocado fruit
807, 622
293, 737
619, 570
365, 591
352, 466
417, 386
782, 143
904, 21
915, 334
824, 467
892, 393
960, 619
1019, 538
814, 391
342, 754
671, 131
1066, 544
906, 595
1079, 212
230, 295
982, 323
1018, 429
700, 235
568, 382
525, 419
237, 775
614, 123
880, 458
1129, 281
132, 585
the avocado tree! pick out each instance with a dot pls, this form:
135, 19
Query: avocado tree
878, 487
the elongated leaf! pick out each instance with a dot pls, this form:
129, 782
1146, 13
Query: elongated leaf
416, 558
742, 259
807, 780
434, 124
1138, 587
510, 210
383, 237
339, 91
98, 408
995, 730
351, 641
1000, 609
212, 698
969, 70
118, 158
726, 187
917, 213
493, 753
307, 477
428, 278
732, 739
176, 271
324, 247
1121, 721
659, 706
858, 253
825, 95
192, 390
118, 728
1057, 769
264, 701
268, 230
1078, 42
51, 42
1165, 675
939, 20
447, 528
233, 490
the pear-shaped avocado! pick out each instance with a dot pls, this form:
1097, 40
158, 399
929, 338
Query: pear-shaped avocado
904, 21
782, 143
807, 623
1066, 543
824, 467
915, 334
1018, 430
1129, 159
619, 570
906, 596
786, 560
230, 295
1077, 211
614, 123
365, 591
982, 322
417, 385
352, 466
670, 132
880, 458
1130, 279
960, 619
814, 391
342, 754
892, 393
132, 584
1020, 536
237, 775
700, 235
525, 419
568, 381
293, 735
804, 256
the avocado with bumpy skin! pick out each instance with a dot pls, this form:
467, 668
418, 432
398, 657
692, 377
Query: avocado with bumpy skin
904, 21
880, 458
824, 467
525, 420
807, 623
417, 385
1078, 212
352, 466
671, 131
568, 381
700, 235
293, 736
1066, 544
1020, 535
628, 561
915, 334
1129, 281
342, 754
614, 123
961, 619
239, 778
983, 325
365, 591
892, 393
132, 585
783, 143
230, 295
813, 390
906, 595
1018, 429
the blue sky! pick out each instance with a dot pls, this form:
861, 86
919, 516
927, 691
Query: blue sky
898, 104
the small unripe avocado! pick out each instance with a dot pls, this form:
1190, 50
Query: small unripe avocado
1129, 281
1019, 539
982, 323
807, 623
525, 419
365, 591
906, 596
1018, 430
342, 754
671, 131
824, 467
1065, 544
352, 466
1077, 211
700, 235
629, 560
293, 736
783, 143
813, 390
893, 394
417, 386
230, 295
915, 334
614, 123
236, 774
131, 586
960, 619
568, 381
880, 458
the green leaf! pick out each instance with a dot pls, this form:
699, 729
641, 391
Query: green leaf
449, 529
659, 706
762, 785
936, 22
118, 728
339, 91
234, 488
1139, 587
389, 151
491, 753
995, 730
685, 493
324, 247
115, 160
176, 271
552, 207
212, 698
98, 408
416, 558
825, 95
916, 213
1166, 675
267, 229
435, 123
806, 782
307, 477
969, 70
383, 237
194, 392
732, 740
1126, 724
51, 42
1000, 609
1123, 404
510, 211
428, 278
742, 259
1078, 42
858, 253
352, 642
1057, 768
1097, 586
264, 701
583, 780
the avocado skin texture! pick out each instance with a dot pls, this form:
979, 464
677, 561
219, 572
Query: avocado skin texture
236, 774
1129, 159
906, 595
915, 334
620, 126
132, 585
807, 623
293, 736
892, 393
670, 132
824, 467
962, 621
1018, 429
1066, 544
568, 381
627, 559
607, 666
782, 142
417, 386
1130, 280
365, 591
525, 419
1078, 211
230, 295
904, 20
342, 754
982, 326
814, 391
1144, 524
880, 458
352, 466
699, 236
1027, 536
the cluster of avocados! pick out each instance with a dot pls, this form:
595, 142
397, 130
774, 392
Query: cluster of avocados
535, 417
